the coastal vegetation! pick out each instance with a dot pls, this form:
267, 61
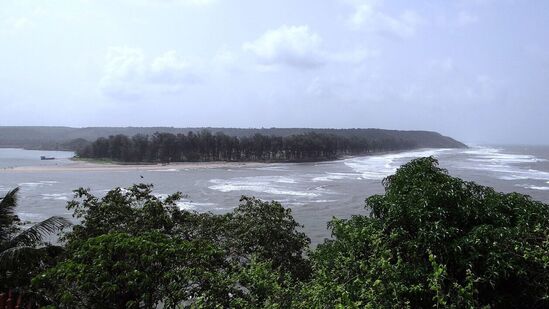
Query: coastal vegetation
66, 138
205, 146
431, 240
23, 252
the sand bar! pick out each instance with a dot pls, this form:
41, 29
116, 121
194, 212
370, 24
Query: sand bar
112, 167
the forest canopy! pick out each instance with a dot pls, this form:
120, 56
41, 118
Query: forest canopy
205, 146
67, 138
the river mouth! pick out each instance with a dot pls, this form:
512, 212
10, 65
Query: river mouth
315, 192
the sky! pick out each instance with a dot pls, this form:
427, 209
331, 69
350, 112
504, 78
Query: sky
476, 70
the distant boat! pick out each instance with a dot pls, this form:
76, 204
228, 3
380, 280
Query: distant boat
46, 158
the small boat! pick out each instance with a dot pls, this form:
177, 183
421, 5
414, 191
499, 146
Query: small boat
46, 158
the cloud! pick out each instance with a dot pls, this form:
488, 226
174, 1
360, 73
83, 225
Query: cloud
443, 83
225, 61
127, 74
124, 63
442, 65
123, 73
323, 88
435, 84
186, 2
298, 47
485, 88
336, 89
18, 23
294, 46
354, 56
459, 19
172, 2
465, 19
479, 2
367, 16
538, 53
355, 86
171, 69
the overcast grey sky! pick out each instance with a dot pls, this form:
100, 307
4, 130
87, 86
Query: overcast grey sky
477, 70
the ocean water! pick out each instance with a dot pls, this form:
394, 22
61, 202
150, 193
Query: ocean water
316, 192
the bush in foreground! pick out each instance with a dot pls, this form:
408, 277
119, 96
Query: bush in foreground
133, 249
435, 240
23, 251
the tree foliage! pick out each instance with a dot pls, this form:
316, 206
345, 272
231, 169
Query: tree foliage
23, 253
178, 257
435, 240
8, 219
205, 146
268, 232
118, 270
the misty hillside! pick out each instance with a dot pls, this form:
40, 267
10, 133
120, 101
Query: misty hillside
67, 138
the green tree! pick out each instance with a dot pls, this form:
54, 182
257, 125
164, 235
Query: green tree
23, 253
134, 210
118, 270
257, 240
258, 285
205, 146
435, 240
269, 232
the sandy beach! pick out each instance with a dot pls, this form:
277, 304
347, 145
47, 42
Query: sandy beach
82, 166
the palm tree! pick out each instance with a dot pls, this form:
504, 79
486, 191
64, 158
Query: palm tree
23, 251
8, 218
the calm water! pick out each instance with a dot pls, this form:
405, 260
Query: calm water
315, 191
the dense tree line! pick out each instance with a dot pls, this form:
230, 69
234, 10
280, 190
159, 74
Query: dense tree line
65, 138
205, 146
431, 240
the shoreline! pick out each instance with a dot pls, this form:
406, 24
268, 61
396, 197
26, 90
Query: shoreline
82, 166
98, 165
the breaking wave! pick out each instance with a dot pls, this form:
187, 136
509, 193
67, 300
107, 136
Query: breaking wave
377, 167
277, 185
507, 166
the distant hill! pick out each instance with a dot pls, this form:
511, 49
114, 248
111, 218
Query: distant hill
67, 138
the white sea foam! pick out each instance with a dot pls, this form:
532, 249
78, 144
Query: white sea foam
494, 156
55, 196
538, 188
505, 164
38, 184
188, 205
161, 195
268, 179
502, 159
258, 188
295, 204
165, 170
30, 216
30, 184
380, 166
272, 168
336, 176
262, 184
278, 179
322, 189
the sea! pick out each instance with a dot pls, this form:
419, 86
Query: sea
316, 192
